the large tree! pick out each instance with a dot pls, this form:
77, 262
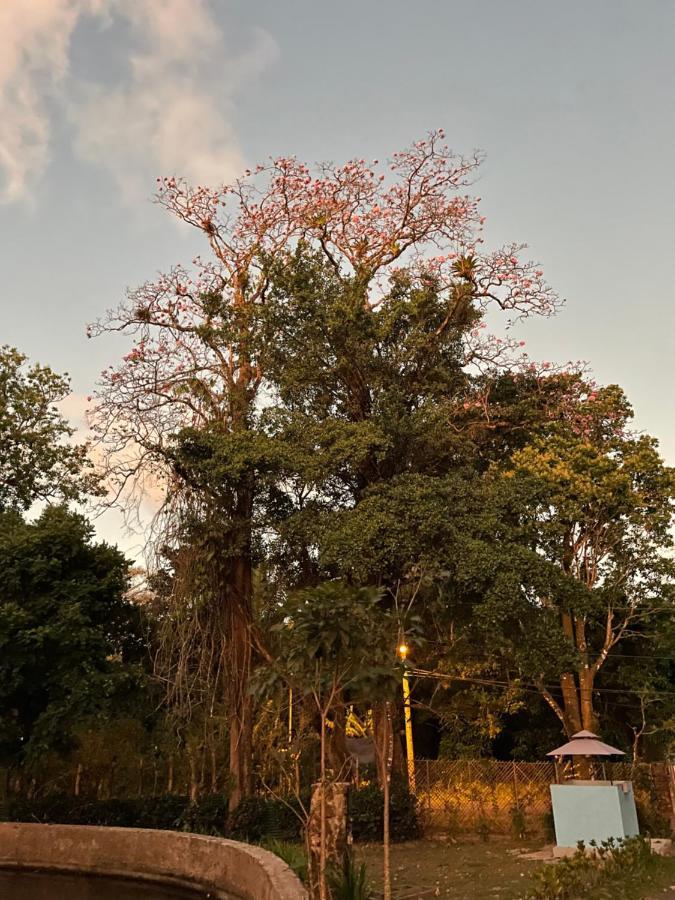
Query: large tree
586, 508
189, 392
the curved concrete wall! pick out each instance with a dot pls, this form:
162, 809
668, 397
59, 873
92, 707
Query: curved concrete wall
225, 868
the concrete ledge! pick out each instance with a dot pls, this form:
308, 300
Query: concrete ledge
224, 868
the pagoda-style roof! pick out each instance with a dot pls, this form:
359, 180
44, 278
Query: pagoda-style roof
585, 743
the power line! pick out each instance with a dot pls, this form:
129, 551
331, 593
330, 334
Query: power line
611, 654
421, 673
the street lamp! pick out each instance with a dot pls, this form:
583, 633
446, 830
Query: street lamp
407, 715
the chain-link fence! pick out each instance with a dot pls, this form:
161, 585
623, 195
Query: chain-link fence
511, 797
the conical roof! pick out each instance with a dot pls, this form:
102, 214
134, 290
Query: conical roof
585, 743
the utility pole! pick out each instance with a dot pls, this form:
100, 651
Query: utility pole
407, 717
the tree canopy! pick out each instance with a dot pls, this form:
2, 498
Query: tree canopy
38, 461
70, 643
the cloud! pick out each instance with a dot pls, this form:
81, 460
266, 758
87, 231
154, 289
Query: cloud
34, 61
169, 111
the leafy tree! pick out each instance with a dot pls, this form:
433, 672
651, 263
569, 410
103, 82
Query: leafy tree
36, 460
68, 638
337, 644
591, 508
186, 403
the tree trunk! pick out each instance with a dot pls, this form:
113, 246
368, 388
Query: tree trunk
378, 738
338, 741
169, 781
194, 781
571, 709
586, 678
78, 780
386, 759
323, 887
240, 615
214, 766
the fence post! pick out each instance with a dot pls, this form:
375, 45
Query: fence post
515, 783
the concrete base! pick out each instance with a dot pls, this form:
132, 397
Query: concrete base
224, 868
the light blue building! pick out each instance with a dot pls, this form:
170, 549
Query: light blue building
586, 810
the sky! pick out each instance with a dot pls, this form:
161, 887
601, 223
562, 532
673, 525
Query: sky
573, 104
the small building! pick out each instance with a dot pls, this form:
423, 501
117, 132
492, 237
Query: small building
587, 808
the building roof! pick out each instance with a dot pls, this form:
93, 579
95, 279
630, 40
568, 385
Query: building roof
585, 743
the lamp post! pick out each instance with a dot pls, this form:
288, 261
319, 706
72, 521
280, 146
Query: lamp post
407, 717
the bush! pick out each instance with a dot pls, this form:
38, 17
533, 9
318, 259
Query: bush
256, 818
610, 869
366, 810
207, 816
652, 821
166, 812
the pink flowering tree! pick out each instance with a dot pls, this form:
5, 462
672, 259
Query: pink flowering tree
195, 363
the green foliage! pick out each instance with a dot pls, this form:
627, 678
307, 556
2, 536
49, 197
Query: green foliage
651, 820
258, 818
366, 812
350, 882
37, 462
292, 854
68, 638
334, 636
167, 812
208, 815
610, 870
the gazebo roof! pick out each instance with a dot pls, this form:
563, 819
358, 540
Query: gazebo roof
585, 743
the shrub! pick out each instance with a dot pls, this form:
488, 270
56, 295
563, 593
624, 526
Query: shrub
652, 821
366, 810
610, 870
207, 816
256, 818
166, 812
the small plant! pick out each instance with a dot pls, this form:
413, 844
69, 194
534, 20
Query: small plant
350, 882
548, 826
518, 823
483, 829
292, 854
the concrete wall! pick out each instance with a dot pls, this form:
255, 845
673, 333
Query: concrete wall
225, 868
593, 810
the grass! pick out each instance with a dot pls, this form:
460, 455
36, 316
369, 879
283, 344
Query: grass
473, 870
468, 869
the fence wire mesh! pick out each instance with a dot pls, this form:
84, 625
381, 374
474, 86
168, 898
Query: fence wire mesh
503, 797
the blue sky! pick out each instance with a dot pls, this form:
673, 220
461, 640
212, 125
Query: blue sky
573, 103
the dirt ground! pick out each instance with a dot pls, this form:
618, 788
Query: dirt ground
470, 869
